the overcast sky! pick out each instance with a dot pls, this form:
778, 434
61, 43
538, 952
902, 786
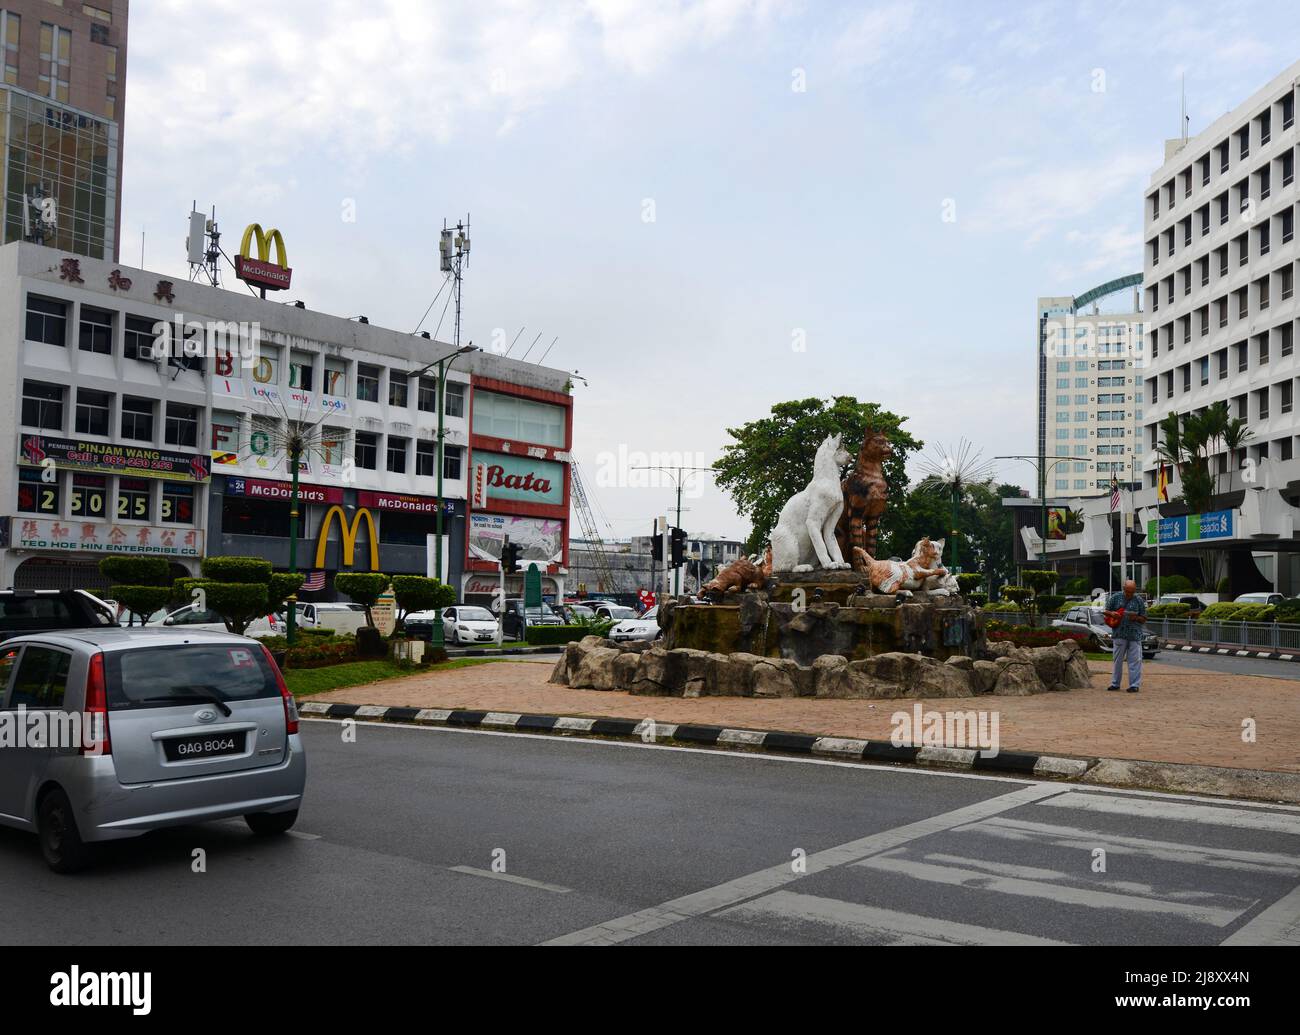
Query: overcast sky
715, 205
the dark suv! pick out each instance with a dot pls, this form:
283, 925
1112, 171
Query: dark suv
25, 611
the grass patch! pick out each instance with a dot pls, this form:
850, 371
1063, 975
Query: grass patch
303, 682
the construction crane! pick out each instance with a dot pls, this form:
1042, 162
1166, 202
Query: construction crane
587, 522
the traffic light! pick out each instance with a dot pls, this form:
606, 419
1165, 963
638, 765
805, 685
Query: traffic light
510, 557
678, 546
657, 544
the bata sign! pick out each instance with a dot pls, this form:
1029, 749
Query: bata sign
35, 450
34, 534
522, 478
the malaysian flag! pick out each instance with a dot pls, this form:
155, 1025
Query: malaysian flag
1114, 493
314, 582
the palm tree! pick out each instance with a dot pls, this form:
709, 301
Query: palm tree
1235, 436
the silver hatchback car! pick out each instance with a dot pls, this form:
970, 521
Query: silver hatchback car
108, 733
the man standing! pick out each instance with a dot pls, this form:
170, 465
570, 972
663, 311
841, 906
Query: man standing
1131, 610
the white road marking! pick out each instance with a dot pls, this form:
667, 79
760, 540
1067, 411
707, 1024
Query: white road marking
303, 837
1056, 892
1184, 812
864, 922
779, 759
752, 885
1279, 924
527, 882
1116, 844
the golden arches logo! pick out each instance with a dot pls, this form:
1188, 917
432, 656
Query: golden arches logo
347, 537
258, 268
264, 242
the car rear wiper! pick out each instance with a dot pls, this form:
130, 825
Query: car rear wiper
195, 694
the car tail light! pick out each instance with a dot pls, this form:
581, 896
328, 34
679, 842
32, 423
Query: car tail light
95, 739
290, 705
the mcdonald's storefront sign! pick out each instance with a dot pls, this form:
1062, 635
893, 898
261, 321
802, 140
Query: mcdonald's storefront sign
347, 537
258, 269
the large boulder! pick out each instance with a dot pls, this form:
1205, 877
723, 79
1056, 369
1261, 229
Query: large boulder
831, 677
596, 669
624, 669
897, 674
776, 677
567, 664
1017, 678
984, 676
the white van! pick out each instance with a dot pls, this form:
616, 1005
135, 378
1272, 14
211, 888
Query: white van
342, 618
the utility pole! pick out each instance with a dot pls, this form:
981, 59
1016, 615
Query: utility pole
1042, 468
677, 474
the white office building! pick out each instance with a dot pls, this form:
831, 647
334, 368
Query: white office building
1220, 312
116, 451
1090, 407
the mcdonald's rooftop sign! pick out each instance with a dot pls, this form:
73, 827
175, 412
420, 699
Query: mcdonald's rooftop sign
258, 269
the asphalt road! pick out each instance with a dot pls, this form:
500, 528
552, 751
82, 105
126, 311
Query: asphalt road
606, 842
1229, 664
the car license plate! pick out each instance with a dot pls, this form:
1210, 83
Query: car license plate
209, 745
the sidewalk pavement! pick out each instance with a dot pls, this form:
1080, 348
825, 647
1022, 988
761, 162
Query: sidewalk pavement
1182, 716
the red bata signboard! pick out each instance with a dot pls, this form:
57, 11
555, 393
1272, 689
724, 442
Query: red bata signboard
396, 501
145, 462
256, 488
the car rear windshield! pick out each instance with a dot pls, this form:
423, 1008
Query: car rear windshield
161, 677
19, 613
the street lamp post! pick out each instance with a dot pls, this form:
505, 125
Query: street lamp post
1043, 469
677, 480
440, 398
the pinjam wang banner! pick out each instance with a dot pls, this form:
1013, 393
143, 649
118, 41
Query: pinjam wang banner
109, 458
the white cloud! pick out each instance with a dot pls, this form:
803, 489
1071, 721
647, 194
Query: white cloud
872, 36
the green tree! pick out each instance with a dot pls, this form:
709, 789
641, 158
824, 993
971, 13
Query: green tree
238, 589
771, 459
364, 588
417, 593
139, 584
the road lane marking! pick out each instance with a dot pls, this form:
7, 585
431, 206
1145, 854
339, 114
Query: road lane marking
753, 885
1184, 812
1279, 924
1062, 893
864, 922
527, 882
1116, 844
302, 836
764, 757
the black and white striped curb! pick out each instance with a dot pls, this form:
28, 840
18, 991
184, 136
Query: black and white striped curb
1261, 653
650, 731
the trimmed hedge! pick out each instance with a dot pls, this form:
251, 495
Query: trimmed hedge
1004, 607
237, 569
1169, 610
1256, 613
1224, 611
1017, 594
136, 571
1047, 603
970, 582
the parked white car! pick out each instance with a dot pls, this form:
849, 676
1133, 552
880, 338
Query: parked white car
209, 621
1260, 598
342, 618
644, 628
468, 624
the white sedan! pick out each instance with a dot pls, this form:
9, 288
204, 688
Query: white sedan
460, 624
646, 627
209, 621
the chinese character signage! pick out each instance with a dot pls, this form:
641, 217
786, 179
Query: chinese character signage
99, 537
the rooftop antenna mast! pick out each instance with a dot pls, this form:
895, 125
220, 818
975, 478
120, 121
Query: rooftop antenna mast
453, 251
204, 246
1186, 119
